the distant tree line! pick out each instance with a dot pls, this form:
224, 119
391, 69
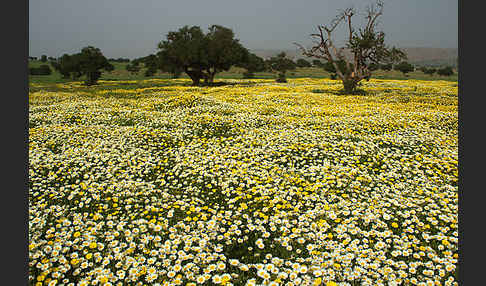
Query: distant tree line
202, 55
119, 60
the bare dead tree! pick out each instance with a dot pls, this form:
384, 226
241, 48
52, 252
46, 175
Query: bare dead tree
365, 44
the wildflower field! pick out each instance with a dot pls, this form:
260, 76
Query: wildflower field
156, 182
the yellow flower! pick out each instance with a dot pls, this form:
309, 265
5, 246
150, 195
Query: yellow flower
318, 281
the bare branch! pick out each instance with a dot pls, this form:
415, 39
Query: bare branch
366, 46
373, 14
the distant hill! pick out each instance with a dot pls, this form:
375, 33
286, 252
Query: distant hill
416, 55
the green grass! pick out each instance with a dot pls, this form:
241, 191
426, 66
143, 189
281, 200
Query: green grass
120, 73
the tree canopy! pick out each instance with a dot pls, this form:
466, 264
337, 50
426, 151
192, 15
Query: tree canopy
446, 71
281, 64
88, 62
404, 67
200, 55
252, 65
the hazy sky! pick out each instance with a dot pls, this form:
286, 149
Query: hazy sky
130, 28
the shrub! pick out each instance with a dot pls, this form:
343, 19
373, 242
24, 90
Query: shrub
404, 67
42, 70
430, 71
303, 63
447, 71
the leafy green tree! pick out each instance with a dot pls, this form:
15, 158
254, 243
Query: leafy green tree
151, 63
252, 65
429, 71
223, 51
366, 45
90, 62
446, 71
199, 55
68, 66
302, 63
168, 67
281, 64
43, 58
404, 67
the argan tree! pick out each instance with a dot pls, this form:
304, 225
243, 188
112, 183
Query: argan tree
366, 46
150, 63
90, 62
167, 66
404, 67
68, 66
281, 64
446, 71
199, 55
252, 65
429, 71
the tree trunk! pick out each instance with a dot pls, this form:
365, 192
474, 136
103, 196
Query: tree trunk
195, 80
211, 77
208, 76
195, 76
349, 85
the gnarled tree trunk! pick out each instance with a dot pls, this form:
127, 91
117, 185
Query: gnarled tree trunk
367, 46
195, 75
